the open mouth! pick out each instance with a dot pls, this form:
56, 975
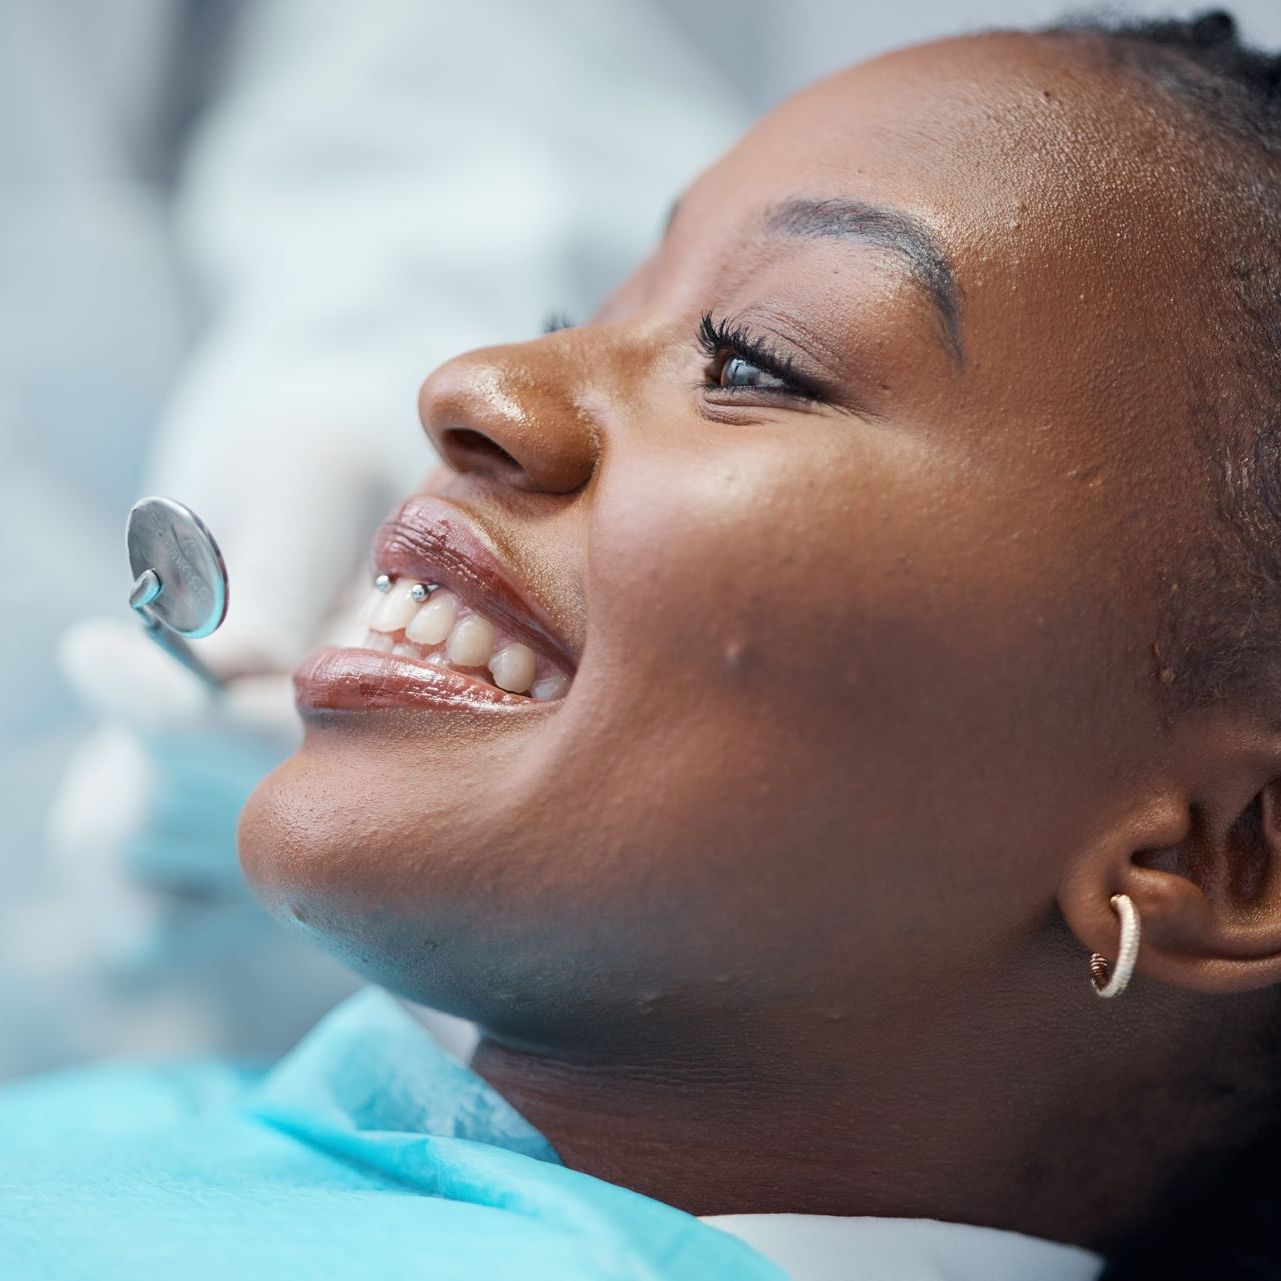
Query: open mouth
426, 623
449, 626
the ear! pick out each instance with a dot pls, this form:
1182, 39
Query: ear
1202, 866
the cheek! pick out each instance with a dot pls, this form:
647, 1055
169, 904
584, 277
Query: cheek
873, 670
771, 574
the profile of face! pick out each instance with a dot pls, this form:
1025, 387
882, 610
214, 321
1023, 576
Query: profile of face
848, 518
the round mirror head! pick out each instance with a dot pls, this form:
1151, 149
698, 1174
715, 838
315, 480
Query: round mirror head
172, 540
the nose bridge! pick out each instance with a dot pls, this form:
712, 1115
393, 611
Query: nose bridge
512, 413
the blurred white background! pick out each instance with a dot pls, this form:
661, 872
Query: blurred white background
109, 116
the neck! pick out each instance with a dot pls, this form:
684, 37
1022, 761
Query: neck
950, 1114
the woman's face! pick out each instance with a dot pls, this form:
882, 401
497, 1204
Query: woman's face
859, 589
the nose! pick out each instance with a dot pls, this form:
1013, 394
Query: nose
509, 413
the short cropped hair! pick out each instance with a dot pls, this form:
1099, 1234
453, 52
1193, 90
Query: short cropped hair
1221, 637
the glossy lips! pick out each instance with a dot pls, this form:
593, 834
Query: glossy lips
450, 628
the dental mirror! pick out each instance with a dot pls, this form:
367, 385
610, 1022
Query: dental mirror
180, 580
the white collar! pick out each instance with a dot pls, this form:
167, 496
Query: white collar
819, 1247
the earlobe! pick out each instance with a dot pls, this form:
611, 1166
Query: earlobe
1204, 880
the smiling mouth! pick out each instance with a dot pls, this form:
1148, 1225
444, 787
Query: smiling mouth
428, 624
449, 627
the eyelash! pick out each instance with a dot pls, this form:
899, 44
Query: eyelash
557, 319
717, 339
721, 341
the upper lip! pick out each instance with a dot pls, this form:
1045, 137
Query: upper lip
431, 540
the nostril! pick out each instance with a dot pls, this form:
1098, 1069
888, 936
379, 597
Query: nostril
515, 423
473, 451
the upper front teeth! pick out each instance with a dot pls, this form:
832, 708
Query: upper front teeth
393, 610
429, 616
434, 620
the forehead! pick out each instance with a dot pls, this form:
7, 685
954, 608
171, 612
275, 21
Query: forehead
982, 135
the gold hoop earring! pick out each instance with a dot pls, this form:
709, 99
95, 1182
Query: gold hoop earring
1127, 952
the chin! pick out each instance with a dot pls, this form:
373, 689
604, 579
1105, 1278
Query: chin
497, 913
443, 905
329, 848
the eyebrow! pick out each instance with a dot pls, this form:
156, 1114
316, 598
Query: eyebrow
883, 227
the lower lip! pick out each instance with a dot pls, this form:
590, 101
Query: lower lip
360, 680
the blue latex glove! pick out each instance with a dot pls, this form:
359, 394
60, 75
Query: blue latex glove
154, 794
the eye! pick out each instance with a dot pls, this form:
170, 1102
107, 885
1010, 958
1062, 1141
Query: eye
741, 362
738, 371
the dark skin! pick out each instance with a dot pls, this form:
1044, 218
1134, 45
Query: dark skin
787, 906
